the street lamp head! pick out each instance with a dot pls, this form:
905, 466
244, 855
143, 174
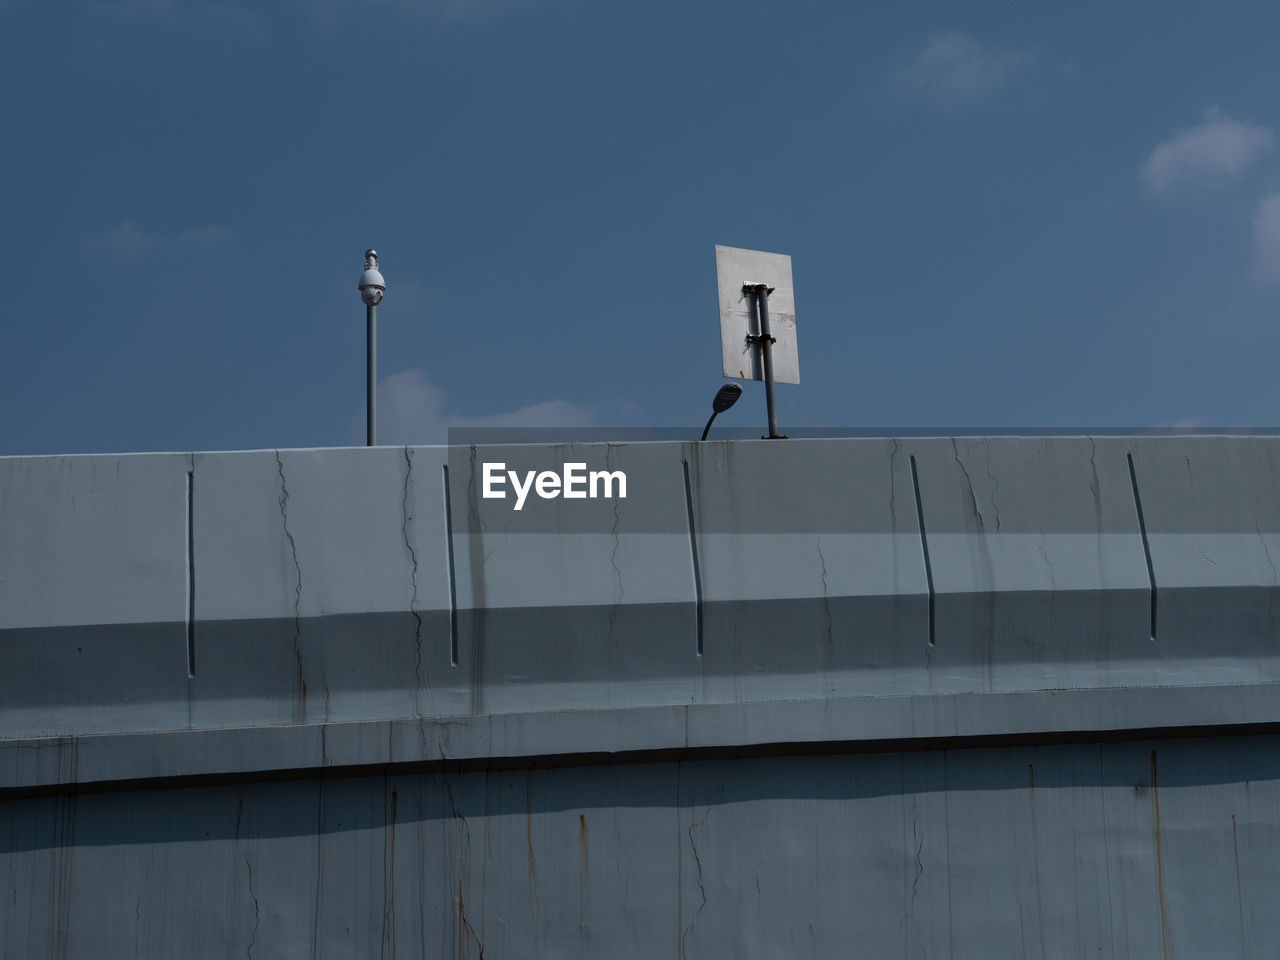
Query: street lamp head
372, 286
726, 397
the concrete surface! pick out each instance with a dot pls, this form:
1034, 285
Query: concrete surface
940, 697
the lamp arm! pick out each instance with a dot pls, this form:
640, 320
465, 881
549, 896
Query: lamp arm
714, 413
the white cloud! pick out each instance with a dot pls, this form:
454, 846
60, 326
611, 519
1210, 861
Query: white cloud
412, 410
952, 68
1266, 239
131, 237
1218, 147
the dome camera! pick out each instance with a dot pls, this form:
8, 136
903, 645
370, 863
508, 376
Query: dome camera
372, 286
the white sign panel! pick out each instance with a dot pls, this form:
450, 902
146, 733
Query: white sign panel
738, 320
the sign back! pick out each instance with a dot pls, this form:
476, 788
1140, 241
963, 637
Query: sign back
738, 320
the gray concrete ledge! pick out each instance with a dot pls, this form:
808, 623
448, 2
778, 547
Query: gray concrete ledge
547, 738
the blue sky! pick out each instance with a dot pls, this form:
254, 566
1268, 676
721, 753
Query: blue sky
998, 215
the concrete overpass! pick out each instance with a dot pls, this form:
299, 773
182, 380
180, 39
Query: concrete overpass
946, 697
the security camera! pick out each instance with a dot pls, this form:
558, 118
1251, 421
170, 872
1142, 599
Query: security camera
372, 285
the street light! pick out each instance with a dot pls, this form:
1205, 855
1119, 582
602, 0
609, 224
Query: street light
372, 286
725, 398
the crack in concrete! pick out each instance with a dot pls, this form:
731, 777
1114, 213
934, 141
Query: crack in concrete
458, 816
466, 924
535, 889
283, 500
257, 916
489, 553
1267, 551
453, 805
826, 597
702, 890
893, 488
477, 518
471, 494
919, 867
621, 844
1044, 555
973, 500
1094, 485
995, 485
413, 580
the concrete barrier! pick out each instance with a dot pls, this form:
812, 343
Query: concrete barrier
961, 697
188, 592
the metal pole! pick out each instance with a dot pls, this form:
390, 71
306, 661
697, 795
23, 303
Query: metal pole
371, 374
372, 286
766, 346
707, 428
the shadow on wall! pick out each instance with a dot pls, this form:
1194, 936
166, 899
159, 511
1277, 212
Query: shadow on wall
295, 808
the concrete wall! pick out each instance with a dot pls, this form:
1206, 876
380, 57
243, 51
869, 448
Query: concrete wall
876, 661
1145, 849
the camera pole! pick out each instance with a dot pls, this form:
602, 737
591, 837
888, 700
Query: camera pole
372, 286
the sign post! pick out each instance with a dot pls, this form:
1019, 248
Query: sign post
750, 282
